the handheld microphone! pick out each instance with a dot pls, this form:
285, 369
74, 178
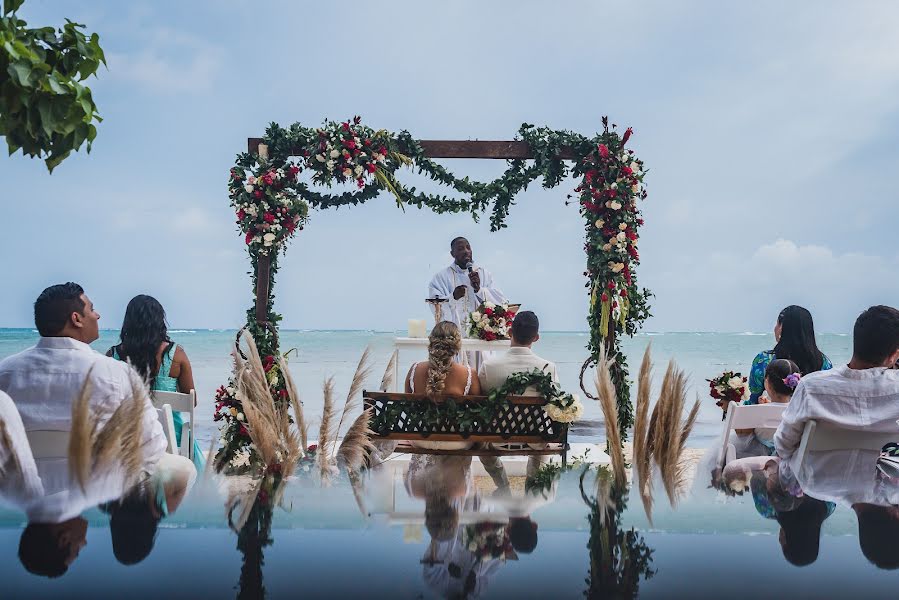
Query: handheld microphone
469, 266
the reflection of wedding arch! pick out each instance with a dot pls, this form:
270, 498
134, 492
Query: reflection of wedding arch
271, 202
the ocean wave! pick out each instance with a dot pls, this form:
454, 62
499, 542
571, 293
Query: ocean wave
182, 331
751, 333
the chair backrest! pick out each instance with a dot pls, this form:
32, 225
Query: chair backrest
184, 403
819, 436
750, 416
48, 444
168, 427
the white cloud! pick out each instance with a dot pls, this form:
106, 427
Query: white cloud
170, 62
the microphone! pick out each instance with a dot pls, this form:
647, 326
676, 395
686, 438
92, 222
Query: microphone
469, 266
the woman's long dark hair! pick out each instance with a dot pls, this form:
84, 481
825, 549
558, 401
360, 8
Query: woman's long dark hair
797, 339
143, 330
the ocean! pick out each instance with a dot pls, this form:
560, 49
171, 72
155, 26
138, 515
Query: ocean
322, 354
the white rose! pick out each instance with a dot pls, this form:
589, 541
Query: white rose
268, 238
635, 166
490, 305
248, 188
623, 226
735, 382
599, 223
347, 173
358, 170
330, 165
635, 188
615, 205
607, 247
334, 154
476, 316
320, 157
621, 236
251, 180
240, 416
614, 186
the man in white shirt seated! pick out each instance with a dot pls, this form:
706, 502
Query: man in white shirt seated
45, 380
863, 395
494, 372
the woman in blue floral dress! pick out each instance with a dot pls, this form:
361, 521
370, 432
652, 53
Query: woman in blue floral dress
795, 335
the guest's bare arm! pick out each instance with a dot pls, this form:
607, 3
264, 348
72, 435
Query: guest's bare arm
185, 372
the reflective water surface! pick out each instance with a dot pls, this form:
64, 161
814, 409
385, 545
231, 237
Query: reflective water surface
434, 530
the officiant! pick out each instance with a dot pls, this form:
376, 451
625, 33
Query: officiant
464, 286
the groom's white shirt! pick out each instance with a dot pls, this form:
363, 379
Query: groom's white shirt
494, 372
445, 281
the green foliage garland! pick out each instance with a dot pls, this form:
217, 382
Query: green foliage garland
44, 109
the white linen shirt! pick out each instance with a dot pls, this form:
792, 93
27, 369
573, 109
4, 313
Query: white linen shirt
859, 399
26, 482
494, 371
45, 380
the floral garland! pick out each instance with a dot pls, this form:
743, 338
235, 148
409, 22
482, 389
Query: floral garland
271, 203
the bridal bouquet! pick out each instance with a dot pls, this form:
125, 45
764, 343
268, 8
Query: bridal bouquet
728, 386
491, 321
488, 541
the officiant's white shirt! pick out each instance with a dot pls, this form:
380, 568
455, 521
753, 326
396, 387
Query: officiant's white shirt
494, 371
45, 380
444, 282
860, 399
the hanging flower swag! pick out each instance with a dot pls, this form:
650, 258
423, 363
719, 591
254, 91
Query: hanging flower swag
271, 196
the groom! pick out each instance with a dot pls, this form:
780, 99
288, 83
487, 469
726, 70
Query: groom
463, 285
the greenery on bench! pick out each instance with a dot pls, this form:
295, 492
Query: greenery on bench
465, 416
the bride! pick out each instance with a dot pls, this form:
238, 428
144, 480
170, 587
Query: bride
441, 375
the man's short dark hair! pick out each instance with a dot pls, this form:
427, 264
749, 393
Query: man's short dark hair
55, 305
876, 334
40, 551
525, 327
456, 239
523, 535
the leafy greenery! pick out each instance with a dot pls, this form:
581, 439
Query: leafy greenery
471, 416
45, 110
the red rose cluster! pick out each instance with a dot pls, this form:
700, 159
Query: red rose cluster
346, 152
267, 206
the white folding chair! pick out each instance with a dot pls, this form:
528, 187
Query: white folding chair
168, 427
183, 403
821, 436
48, 444
747, 416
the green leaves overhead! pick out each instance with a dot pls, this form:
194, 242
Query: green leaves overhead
45, 111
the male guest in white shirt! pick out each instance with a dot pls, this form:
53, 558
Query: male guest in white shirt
517, 359
863, 395
44, 381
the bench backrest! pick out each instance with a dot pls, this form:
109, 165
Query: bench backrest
521, 418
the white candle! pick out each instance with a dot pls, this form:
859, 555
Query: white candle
417, 328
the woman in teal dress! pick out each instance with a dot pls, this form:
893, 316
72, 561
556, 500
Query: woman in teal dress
795, 335
144, 341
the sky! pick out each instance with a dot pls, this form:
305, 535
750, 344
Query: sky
768, 129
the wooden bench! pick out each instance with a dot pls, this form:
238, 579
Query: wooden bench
521, 420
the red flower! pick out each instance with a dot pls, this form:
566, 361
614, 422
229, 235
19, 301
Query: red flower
268, 362
235, 175
268, 178
604, 297
611, 285
268, 217
623, 293
627, 135
603, 150
360, 183
290, 226
589, 175
626, 170
292, 171
241, 214
382, 150
312, 448
243, 431
488, 311
250, 234
349, 144
611, 193
489, 336
346, 126
631, 235
258, 194
371, 168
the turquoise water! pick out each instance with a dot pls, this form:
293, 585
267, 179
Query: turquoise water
320, 354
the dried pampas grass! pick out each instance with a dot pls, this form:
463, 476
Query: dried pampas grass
297, 404
669, 433
642, 456
11, 466
608, 402
363, 371
324, 430
389, 377
357, 446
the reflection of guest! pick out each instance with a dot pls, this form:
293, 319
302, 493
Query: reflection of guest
48, 549
878, 531
800, 530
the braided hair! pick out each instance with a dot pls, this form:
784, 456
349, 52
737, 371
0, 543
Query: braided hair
445, 342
